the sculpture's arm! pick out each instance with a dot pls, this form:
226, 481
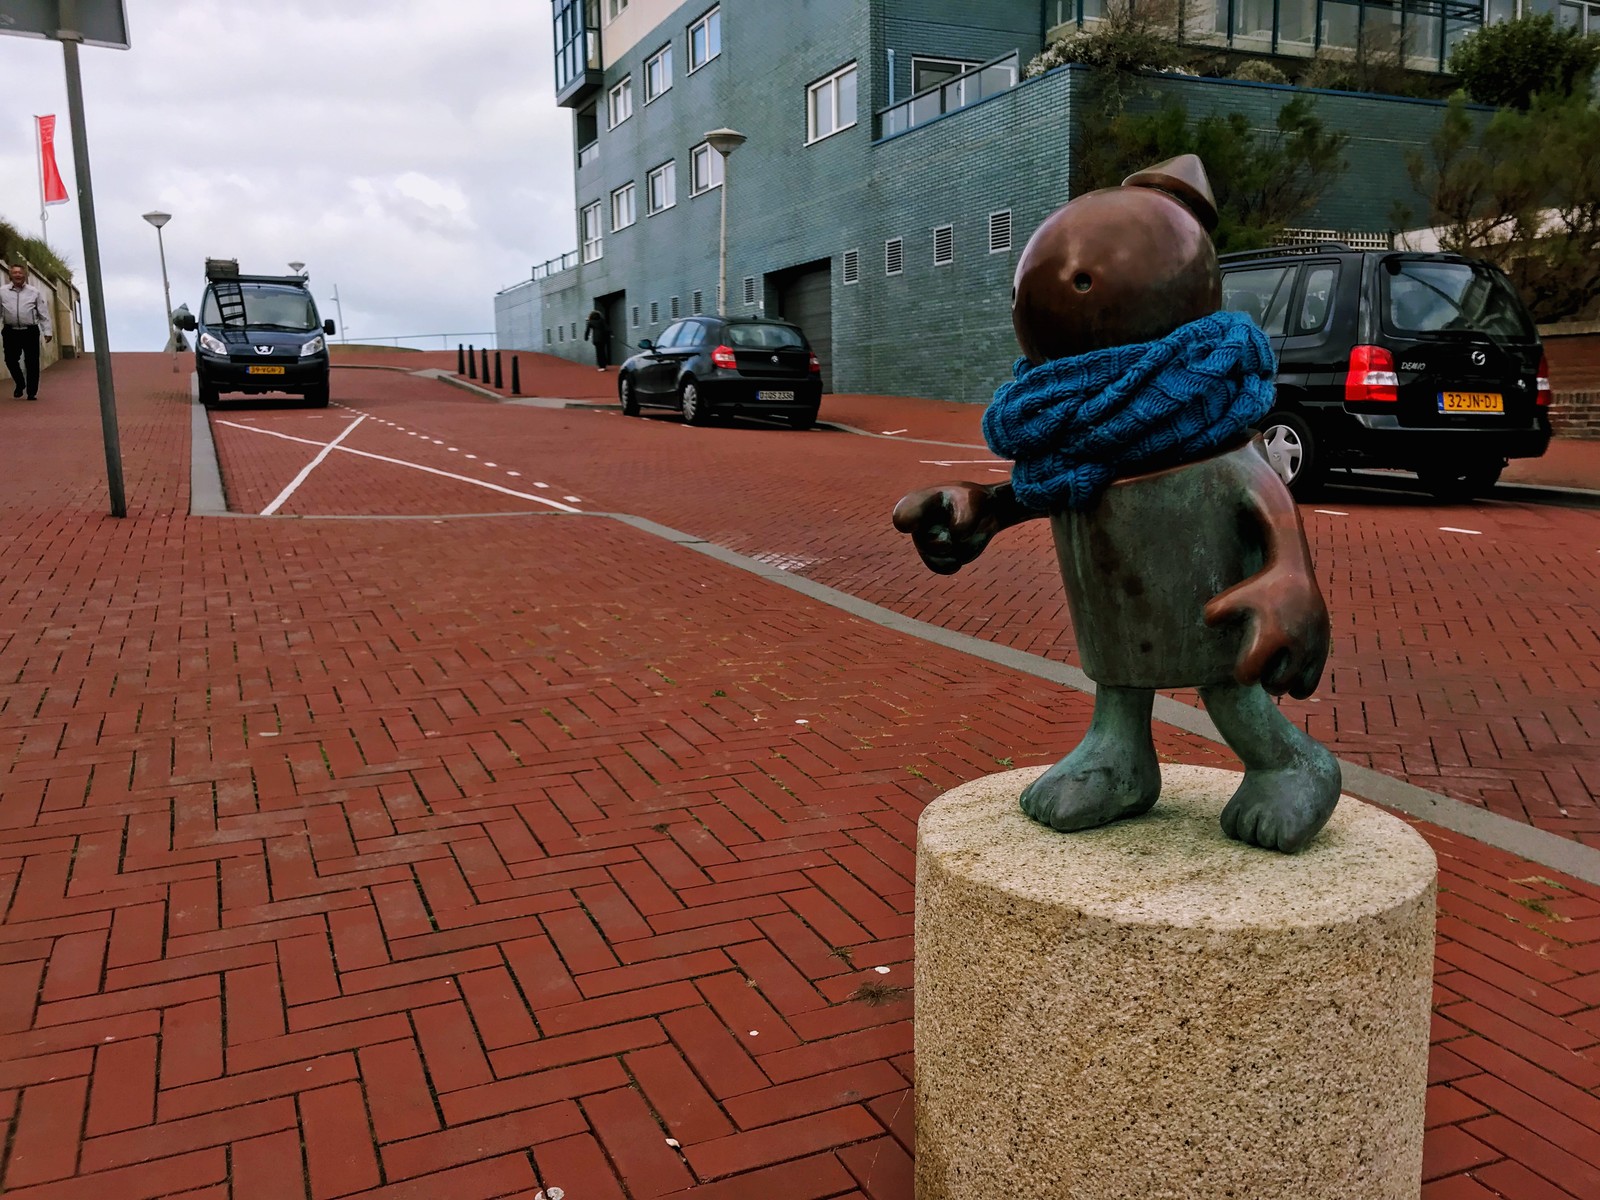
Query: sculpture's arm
951, 524
1290, 630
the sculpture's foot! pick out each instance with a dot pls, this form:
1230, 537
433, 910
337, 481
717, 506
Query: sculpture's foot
1112, 774
1283, 809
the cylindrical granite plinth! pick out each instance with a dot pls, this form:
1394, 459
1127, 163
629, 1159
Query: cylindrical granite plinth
1150, 1011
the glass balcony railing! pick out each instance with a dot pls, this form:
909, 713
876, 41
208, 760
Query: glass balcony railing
987, 79
554, 266
588, 154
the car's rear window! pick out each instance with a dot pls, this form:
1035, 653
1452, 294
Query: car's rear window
267, 308
1424, 296
764, 337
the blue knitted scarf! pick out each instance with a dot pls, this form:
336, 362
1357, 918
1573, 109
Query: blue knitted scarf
1072, 425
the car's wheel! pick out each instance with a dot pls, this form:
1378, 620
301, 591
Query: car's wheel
692, 404
1292, 450
1466, 481
628, 397
317, 397
804, 419
208, 393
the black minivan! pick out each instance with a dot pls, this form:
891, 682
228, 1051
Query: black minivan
259, 333
1426, 362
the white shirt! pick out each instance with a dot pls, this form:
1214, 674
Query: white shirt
24, 306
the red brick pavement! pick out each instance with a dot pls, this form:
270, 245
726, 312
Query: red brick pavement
489, 857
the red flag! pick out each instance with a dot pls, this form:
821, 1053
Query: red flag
55, 191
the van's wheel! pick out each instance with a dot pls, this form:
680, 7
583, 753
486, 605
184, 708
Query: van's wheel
803, 419
626, 394
1468, 481
692, 404
1292, 451
317, 397
209, 394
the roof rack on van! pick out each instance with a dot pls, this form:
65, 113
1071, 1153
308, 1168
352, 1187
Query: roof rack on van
1280, 251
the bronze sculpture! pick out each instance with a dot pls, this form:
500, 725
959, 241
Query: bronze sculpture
1182, 568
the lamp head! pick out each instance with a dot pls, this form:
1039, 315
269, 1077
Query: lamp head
158, 219
725, 141
297, 267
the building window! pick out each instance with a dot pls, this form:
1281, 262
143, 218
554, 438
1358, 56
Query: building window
852, 266
749, 291
591, 232
622, 209
587, 131
697, 303
831, 104
705, 40
944, 246
655, 312
662, 185
561, 333
705, 169
999, 231
574, 331
636, 316
894, 256
615, 8
658, 73
620, 102
931, 72
548, 337
677, 309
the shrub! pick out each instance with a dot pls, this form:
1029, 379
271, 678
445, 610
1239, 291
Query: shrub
16, 246
1259, 70
1508, 63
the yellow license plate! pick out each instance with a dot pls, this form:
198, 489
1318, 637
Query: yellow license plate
1472, 402
279, 371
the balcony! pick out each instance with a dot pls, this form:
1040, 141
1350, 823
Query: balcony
578, 62
985, 80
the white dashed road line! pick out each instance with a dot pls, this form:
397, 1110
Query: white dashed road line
1330, 512
1453, 529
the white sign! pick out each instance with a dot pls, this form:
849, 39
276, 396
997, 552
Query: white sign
101, 22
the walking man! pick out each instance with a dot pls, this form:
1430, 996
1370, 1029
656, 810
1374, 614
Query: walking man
598, 330
26, 316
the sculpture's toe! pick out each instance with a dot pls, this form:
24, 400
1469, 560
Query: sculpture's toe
1284, 809
1091, 787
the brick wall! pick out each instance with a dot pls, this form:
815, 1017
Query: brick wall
1576, 415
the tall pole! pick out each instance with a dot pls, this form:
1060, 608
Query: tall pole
722, 245
340, 307
172, 341
91, 261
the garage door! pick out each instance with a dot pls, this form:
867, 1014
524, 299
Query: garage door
806, 298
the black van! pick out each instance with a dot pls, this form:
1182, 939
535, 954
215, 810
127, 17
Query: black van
1427, 362
259, 333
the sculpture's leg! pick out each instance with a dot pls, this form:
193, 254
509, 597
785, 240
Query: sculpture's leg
1112, 774
1291, 781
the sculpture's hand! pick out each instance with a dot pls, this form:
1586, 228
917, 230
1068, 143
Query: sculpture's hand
1287, 645
952, 524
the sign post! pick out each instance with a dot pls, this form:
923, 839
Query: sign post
98, 23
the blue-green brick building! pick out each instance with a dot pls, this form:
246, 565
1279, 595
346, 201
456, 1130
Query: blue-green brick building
895, 163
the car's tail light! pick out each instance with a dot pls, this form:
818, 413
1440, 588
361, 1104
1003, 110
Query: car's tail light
723, 357
1371, 376
816, 365
1541, 395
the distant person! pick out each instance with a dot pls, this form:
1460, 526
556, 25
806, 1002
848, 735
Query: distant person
26, 316
598, 331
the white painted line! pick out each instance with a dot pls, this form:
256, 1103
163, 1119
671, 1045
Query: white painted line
541, 485
1330, 512
308, 468
892, 432
573, 499
1453, 529
515, 474
961, 462
400, 462
490, 464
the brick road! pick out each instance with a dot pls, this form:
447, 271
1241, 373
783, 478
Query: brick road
492, 856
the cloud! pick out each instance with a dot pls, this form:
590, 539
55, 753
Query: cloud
410, 153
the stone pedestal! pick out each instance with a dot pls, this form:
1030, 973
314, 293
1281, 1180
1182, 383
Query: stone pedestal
1151, 1011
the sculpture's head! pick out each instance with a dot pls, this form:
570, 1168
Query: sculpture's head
1120, 265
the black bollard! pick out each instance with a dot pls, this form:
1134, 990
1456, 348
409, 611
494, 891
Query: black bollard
472, 363
461, 359
516, 377
497, 377
486, 364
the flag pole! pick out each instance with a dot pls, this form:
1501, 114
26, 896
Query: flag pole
38, 163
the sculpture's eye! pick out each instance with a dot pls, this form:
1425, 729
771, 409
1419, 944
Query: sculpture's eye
1082, 281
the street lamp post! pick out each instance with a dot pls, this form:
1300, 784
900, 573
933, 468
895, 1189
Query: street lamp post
340, 307
158, 219
724, 142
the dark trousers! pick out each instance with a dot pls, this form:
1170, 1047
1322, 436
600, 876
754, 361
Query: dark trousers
22, 352
602, 350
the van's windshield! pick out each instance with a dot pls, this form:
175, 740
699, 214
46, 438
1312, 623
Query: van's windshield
267, 308
1428, 296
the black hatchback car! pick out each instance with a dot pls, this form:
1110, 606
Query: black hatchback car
708, 367
259, 333
1426, 362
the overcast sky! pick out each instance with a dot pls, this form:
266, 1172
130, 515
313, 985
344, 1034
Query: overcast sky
409, 152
